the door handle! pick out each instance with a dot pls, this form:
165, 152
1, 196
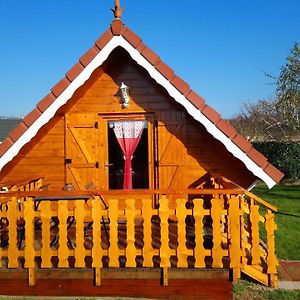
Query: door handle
108, 165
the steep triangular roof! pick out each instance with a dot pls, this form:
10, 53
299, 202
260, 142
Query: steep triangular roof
118, 35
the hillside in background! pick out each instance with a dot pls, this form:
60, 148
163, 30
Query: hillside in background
7, 124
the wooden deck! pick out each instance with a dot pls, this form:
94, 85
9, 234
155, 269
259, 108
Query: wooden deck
52, 240
138, 283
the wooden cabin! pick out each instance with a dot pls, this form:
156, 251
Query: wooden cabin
145, 192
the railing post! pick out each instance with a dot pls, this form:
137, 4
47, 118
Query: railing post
147, 213
271, 257
29, 252
45, 209
199, 252
181, 213
164, 227
97, 252
63, 251
235, 237
254, 219
130, 249
12, 233
79, 219
113, 249
217, 238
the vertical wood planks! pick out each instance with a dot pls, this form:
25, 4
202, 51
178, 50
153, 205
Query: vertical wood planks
130, 250
181, 213
255, 249
79, 249
234, 229
199, 252
29, 253
63, 248
113, 241
147, 249
217, 238
45, 209
12, 232
164, 228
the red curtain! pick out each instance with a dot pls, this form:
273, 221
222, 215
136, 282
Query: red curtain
128, 134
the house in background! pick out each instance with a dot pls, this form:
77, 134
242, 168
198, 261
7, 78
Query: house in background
124, 171
7, 124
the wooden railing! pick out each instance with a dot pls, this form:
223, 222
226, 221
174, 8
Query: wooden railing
202, 229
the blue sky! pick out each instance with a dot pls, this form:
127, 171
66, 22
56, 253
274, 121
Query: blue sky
221, 48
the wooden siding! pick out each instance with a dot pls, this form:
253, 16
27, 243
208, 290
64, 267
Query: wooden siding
45, 154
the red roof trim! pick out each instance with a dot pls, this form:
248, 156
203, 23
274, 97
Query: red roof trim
165, 70
150, 55
196, 100
60, 86
227, 129
117, 27
132, 38
75, 71
16, 133
256, 156
104, 39
211, 114
4, 147
242, 143
180, 85
89, 55
273, 172
46, 102
32, 117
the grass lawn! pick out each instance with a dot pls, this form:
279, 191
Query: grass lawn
244, 290
287, 199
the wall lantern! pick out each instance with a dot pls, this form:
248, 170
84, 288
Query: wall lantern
125, 95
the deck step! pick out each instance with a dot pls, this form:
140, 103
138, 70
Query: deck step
256, 273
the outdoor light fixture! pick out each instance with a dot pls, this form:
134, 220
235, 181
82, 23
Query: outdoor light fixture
125, 95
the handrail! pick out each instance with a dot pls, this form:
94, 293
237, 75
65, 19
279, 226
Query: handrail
121, 192
261, 201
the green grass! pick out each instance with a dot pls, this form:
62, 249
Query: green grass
244, 290
287, 199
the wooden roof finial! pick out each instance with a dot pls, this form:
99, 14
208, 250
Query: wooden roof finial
117, 10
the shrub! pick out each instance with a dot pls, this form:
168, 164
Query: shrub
283, 155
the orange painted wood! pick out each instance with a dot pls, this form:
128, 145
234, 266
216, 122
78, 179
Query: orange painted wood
79, 248
235, 237
164, 227
199, 251
255, 247
45, 211
12, 231
81, 150
216, 217
63, 248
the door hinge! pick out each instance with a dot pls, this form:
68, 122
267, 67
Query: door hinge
68, 161
156, 164
96, 125
97, 165
156, 123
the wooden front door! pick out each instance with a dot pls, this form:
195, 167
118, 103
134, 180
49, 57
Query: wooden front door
81, 151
